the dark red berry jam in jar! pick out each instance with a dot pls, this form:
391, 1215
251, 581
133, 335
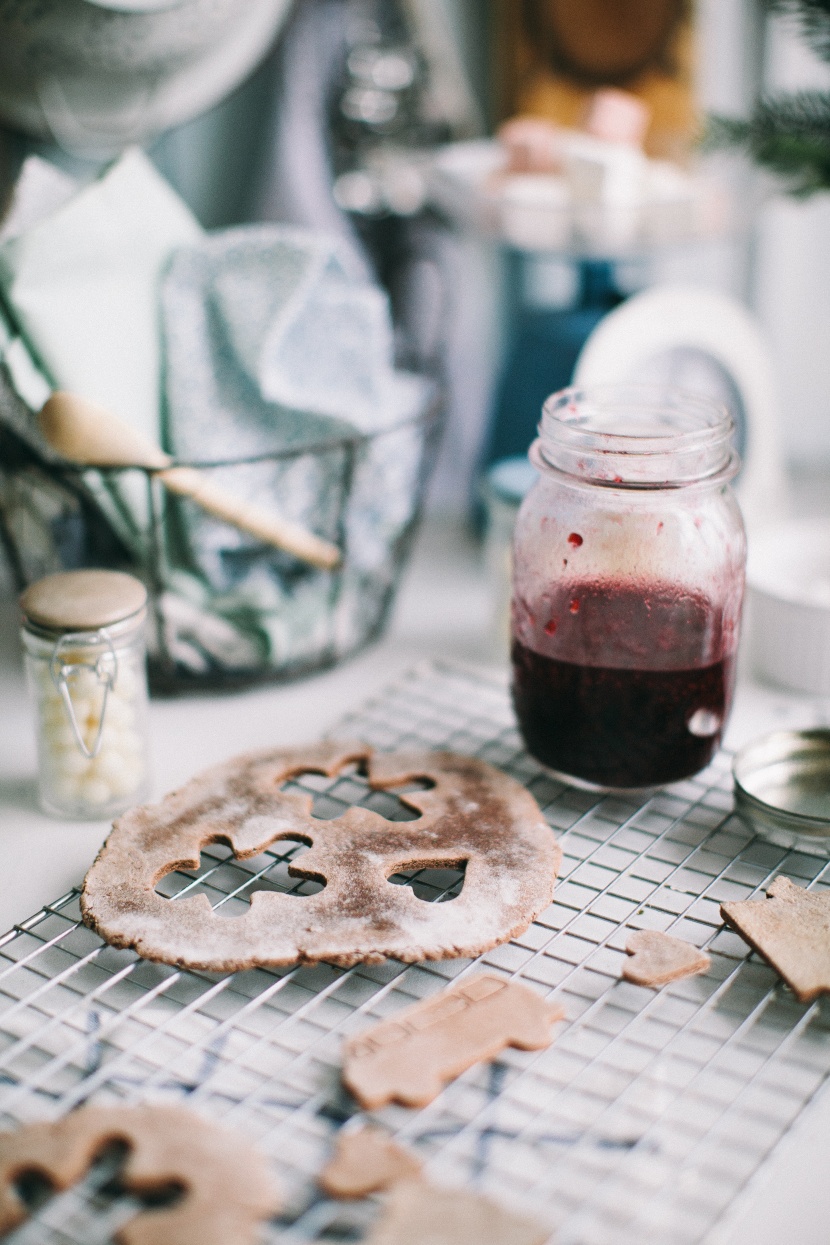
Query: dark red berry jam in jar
628, 581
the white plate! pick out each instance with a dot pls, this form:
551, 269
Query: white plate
707, 343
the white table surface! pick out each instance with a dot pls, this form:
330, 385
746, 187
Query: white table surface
443, 610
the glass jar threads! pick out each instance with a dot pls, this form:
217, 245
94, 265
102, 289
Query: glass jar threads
83, 638
628, 583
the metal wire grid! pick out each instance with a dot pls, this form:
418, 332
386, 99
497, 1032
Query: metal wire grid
643, 1120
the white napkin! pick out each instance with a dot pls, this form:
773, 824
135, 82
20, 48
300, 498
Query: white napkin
83, 287
40, 190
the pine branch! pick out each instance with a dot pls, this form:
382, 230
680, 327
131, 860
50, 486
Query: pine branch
789, 134
813, 17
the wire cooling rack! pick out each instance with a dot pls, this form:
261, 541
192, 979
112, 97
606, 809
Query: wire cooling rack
644, 1119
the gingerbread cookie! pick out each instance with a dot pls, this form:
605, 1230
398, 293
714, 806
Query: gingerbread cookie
657, 958
366, 1161
791, 930
228, 1191
417, 1213
409, 1058
473, 815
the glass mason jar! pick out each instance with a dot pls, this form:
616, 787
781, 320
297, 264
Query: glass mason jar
628, 582
83, 638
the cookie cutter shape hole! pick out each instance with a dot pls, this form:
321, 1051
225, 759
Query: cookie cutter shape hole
433, 885
106, 1179
351, 788
229, 883
97, 1204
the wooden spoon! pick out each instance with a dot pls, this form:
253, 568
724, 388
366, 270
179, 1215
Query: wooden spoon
88, 434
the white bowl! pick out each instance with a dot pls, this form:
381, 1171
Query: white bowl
96, 75
789, 589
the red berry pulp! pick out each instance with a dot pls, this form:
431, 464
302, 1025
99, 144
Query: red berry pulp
631, 690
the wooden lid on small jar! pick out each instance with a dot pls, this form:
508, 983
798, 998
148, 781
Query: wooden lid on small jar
83, 600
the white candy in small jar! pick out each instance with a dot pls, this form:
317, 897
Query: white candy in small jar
83, 636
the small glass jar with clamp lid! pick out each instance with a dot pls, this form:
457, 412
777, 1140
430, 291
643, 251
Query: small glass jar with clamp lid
83, 637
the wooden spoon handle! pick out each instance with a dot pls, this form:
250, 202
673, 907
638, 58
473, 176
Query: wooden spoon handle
87, 434
282, 534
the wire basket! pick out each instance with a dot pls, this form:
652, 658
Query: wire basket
227, 611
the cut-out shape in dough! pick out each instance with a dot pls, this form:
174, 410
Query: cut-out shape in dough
791, 930
227, 1188
655, 958
418, 1213
474, 813
366, 1161
410, 1057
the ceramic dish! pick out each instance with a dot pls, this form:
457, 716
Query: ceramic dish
782, 788
789, 589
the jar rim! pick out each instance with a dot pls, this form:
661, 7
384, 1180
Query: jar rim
633, 435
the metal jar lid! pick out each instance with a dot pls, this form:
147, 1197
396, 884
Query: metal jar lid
782, 786
76, 601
